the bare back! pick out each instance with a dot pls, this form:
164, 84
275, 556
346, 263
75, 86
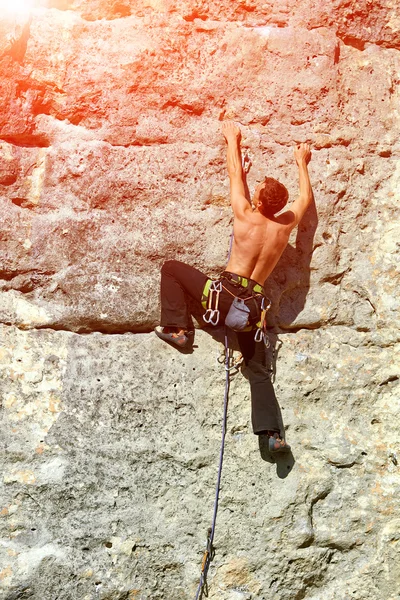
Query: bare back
259, 241
258, 244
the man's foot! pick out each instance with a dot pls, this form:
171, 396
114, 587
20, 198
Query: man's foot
173, 335
276, 443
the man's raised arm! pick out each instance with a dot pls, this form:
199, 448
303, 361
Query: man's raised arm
234, 162
302, 155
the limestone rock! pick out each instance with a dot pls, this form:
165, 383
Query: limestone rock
130, 159
110, 450
111, 162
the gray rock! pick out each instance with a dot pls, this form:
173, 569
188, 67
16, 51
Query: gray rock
110, 456
111, 162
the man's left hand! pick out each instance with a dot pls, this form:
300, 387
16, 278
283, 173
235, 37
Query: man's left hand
230, 131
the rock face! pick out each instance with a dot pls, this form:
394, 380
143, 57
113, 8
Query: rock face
112, 161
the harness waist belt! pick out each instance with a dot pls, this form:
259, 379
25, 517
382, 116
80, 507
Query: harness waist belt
243, 282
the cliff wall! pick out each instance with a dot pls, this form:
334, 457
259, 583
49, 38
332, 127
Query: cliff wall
111, 161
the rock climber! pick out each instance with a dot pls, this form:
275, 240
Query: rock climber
260, 234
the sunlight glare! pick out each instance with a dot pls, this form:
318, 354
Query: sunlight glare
9, 7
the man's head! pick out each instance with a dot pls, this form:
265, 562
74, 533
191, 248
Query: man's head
270, 197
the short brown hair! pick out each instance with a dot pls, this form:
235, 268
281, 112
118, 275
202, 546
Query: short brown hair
273, 197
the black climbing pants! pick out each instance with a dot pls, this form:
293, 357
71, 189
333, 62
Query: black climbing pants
179, 282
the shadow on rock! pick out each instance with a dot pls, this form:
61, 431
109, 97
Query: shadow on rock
218, 334
284, 460
289, 283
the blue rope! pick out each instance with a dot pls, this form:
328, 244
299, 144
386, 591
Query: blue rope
210, 549
209, 555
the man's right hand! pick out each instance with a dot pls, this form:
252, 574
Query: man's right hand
302, 154
230, 131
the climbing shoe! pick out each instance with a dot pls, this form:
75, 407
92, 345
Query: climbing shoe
276, 444
180, 341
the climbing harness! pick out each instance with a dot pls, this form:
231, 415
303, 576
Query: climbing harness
238, 316
209, 553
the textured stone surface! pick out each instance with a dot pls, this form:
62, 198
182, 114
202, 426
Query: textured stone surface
111, 161
111, 455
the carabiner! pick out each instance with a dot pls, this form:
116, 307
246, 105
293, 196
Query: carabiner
263, 307
246, 162
267, 343
212, 318
259, 335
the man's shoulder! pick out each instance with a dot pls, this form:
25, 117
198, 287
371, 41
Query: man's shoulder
286, 219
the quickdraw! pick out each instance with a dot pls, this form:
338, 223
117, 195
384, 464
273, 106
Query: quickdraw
212, 313
261, 333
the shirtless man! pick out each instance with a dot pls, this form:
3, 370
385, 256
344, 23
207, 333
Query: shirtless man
259, 237
259, 240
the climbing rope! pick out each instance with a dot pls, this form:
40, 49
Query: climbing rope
213, 318
209, 553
